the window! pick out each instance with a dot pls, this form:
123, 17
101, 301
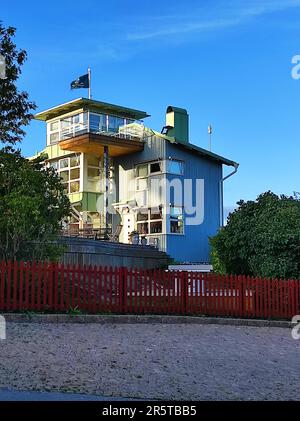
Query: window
97, 123
142, 184
149, 221
155, 227
155, 213
141, 216
53, 132
54, 138
66, 123
112, 124
54, 165
75, 174
74, 187
142, 170
64, 163
76, 119
155, 168
176, 220
69, 172
66, 127
54, 126
75, 161
64, 175
148, 180
175, 167
105, 123
93, 174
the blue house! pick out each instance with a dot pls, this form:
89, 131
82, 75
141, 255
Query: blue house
134, 183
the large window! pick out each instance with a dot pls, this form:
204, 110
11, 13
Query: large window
80, 123
98, 123
93, 174
106, 123
69, 171
67, 127
148, 184
144, 171
175, 167
149, 221
75, 124
176, 220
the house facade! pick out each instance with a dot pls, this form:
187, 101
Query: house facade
124, 177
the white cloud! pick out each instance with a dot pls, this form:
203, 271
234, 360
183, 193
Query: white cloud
235, 13
182, 29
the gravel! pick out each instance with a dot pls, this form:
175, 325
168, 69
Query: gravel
190, 362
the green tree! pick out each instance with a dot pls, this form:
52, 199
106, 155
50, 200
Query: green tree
32, 204
15, 107
261, 238
32, 201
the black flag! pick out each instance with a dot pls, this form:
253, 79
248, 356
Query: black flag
81, 82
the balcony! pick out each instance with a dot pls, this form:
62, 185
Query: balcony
89, 132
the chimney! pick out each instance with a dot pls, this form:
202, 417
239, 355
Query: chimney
177, 119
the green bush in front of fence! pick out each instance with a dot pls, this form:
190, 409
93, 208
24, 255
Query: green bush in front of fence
261, 238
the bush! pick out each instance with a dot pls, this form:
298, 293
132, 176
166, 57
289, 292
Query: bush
261, 238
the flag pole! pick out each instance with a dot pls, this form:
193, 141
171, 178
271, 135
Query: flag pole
89, 75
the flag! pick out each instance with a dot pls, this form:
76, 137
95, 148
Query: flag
81, 82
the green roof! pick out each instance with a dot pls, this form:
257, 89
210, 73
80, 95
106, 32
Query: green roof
92, 105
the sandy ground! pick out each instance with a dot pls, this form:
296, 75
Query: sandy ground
152, 361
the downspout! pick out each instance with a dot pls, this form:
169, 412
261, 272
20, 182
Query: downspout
236, 166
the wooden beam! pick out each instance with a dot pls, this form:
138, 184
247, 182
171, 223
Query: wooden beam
92, 143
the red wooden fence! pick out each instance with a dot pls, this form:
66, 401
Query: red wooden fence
52, 287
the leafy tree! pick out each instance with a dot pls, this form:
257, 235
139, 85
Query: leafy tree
32, 204
261, 238
15, 107
32, 201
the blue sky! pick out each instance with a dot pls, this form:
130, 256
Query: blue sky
227, 62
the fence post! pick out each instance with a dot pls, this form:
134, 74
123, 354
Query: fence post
123, 289
184, 292
125, 273
241, 293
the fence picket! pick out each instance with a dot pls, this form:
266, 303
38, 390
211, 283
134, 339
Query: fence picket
27, 280
2, 284
44, 286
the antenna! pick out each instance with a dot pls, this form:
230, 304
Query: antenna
210, 130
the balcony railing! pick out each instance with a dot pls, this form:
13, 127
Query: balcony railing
89, 124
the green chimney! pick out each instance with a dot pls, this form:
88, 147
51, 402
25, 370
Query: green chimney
177, 120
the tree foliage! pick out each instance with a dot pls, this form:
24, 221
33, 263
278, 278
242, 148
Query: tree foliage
32, 204
261, 238
15, 107
32, 201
